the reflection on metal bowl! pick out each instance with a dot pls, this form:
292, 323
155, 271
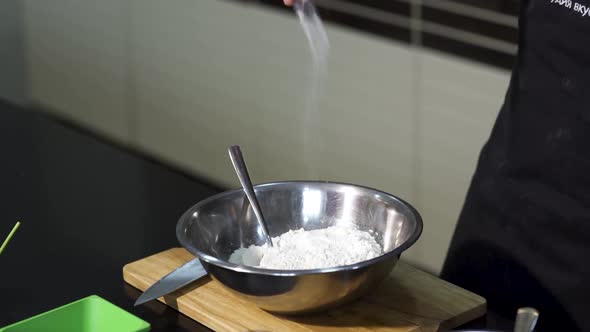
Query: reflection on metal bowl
212, 229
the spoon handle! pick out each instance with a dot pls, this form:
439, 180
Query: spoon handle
526, 319
237, 159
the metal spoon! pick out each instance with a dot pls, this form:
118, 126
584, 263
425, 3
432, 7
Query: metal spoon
237, 160
526, 319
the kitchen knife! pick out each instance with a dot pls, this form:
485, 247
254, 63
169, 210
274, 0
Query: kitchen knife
174, 280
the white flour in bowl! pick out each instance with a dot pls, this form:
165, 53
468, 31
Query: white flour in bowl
315, 249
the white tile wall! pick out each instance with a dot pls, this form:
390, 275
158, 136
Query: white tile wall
219, 73
184, 79
77, 61
12, 64
459, 102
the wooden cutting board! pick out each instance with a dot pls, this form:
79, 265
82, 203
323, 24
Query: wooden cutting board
408, 300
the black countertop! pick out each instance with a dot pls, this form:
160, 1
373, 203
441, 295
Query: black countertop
87, 208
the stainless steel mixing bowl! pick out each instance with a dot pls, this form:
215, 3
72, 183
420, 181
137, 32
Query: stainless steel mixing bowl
215, 227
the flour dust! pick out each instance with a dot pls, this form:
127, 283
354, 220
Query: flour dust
319, 46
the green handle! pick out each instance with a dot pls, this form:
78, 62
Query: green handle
9, 236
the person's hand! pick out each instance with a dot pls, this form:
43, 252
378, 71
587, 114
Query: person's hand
288, 2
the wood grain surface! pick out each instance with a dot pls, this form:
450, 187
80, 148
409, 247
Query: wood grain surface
408, 300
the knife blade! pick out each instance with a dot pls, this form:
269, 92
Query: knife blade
182, 276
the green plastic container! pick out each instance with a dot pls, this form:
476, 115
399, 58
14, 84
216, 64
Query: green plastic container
90, 314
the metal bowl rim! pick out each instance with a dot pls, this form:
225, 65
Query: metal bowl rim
248, 269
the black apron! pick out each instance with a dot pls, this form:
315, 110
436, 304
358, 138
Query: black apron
523, 237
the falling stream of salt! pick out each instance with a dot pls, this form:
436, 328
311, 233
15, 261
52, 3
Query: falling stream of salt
319, 47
